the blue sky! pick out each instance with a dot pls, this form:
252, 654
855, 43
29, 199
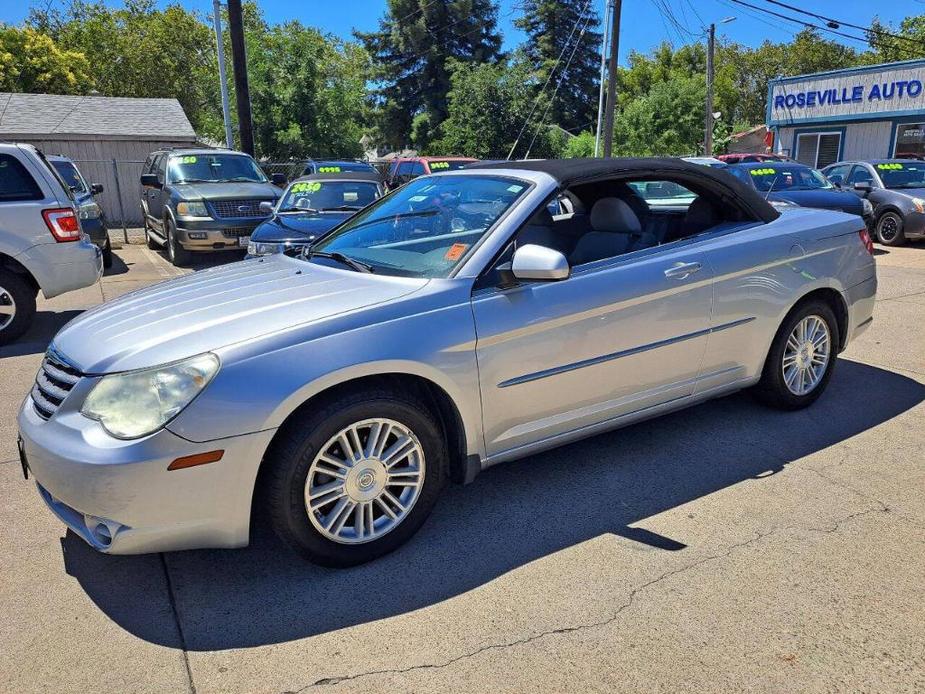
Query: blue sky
643, 26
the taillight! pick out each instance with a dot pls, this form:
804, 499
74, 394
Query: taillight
62, 223
865, 239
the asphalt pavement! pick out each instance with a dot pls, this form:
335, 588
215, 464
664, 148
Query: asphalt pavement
726, 547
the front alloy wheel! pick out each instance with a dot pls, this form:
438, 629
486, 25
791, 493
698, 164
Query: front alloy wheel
890, 229
354, 477
365, 481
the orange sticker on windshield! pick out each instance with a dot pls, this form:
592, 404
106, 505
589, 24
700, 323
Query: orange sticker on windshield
456, 251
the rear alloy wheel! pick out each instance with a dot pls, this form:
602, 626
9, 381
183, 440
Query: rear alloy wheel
17, 306
802, 357
355, 479
890, 229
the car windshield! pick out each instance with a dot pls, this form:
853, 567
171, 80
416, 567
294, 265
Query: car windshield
328, 195
341, 166
213, 168
71, 176
451, 165
898, 175
426, 227
787, 177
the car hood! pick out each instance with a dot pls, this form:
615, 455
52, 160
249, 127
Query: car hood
297, 227
215, 308
826, 199
236, 190
911, 192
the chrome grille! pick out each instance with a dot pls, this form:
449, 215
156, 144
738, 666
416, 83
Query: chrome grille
236, 209
53, 383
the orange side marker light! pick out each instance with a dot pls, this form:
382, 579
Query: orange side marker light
197, 459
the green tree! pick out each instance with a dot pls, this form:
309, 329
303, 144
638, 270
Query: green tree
31, 61
562, 41
666, 121
580, 146
488, 109
888, 49
411, 53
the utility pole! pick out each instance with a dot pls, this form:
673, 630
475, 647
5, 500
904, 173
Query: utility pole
608, 4
220, 47
239, 64
708, 124
612, 77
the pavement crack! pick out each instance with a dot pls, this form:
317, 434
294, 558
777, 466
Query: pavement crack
329, 681
172, 599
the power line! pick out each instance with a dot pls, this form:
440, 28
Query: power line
536, 101
918, 44
868, 40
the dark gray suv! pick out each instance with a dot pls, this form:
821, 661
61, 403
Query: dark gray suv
203, 200
895, 188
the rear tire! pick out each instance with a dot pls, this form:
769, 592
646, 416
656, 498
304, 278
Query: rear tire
890, 229
17, 306
107, 254
397, 494
178, 255
799, 365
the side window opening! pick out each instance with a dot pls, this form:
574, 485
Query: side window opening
16, 183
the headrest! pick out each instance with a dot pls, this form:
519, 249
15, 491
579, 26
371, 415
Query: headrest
614, 215
701, 213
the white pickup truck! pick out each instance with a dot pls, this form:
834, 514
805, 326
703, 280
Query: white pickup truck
42, 246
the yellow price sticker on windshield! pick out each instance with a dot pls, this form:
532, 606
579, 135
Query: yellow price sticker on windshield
188, 160
762, 172
312, 187
890, 167
436, 165
328, 169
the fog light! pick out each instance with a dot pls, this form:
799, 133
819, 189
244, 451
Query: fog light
197, 235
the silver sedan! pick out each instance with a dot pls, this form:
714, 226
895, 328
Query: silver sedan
469, 318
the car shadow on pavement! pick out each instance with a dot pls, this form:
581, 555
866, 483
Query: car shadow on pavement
511, 515
45, 326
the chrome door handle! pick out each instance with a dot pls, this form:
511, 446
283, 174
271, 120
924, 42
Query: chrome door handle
682, 271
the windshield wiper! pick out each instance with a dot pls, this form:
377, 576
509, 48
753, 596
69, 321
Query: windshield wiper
296, 209
245, 179
352, 263
197, 180
342, 208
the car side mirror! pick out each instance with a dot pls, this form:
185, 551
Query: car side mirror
266, 207
863, 187
96, 188
150, 180
533, 262
278, 179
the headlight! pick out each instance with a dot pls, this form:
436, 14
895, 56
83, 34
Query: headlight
868, 208
89, 211
136, 403
919, 204
194, 208
257, 248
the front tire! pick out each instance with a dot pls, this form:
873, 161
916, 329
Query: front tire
178, 255
890, 229
17, 306
802, 358
354, 479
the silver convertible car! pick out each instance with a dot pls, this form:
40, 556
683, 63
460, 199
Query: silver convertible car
453, 324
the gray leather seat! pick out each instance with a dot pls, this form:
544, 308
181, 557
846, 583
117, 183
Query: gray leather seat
539, 231
615, 229
701, 215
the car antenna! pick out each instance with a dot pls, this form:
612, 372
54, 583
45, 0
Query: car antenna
768, 194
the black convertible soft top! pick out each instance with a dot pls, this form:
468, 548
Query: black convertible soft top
569, 172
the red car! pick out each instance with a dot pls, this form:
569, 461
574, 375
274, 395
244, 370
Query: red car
749, 158
404, 169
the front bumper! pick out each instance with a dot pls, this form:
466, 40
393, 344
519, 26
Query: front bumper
120, 497
63, 267
215, 234
914, 225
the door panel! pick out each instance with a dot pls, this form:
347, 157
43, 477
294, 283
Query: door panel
558, 356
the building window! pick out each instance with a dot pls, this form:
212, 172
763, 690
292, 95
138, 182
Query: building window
818, 149
910, 140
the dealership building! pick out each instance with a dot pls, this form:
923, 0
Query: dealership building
870, 112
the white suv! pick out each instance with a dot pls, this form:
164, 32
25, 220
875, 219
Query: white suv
42, 246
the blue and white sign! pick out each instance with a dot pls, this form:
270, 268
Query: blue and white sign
854, 94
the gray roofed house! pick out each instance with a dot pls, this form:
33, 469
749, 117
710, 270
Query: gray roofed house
96, 130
